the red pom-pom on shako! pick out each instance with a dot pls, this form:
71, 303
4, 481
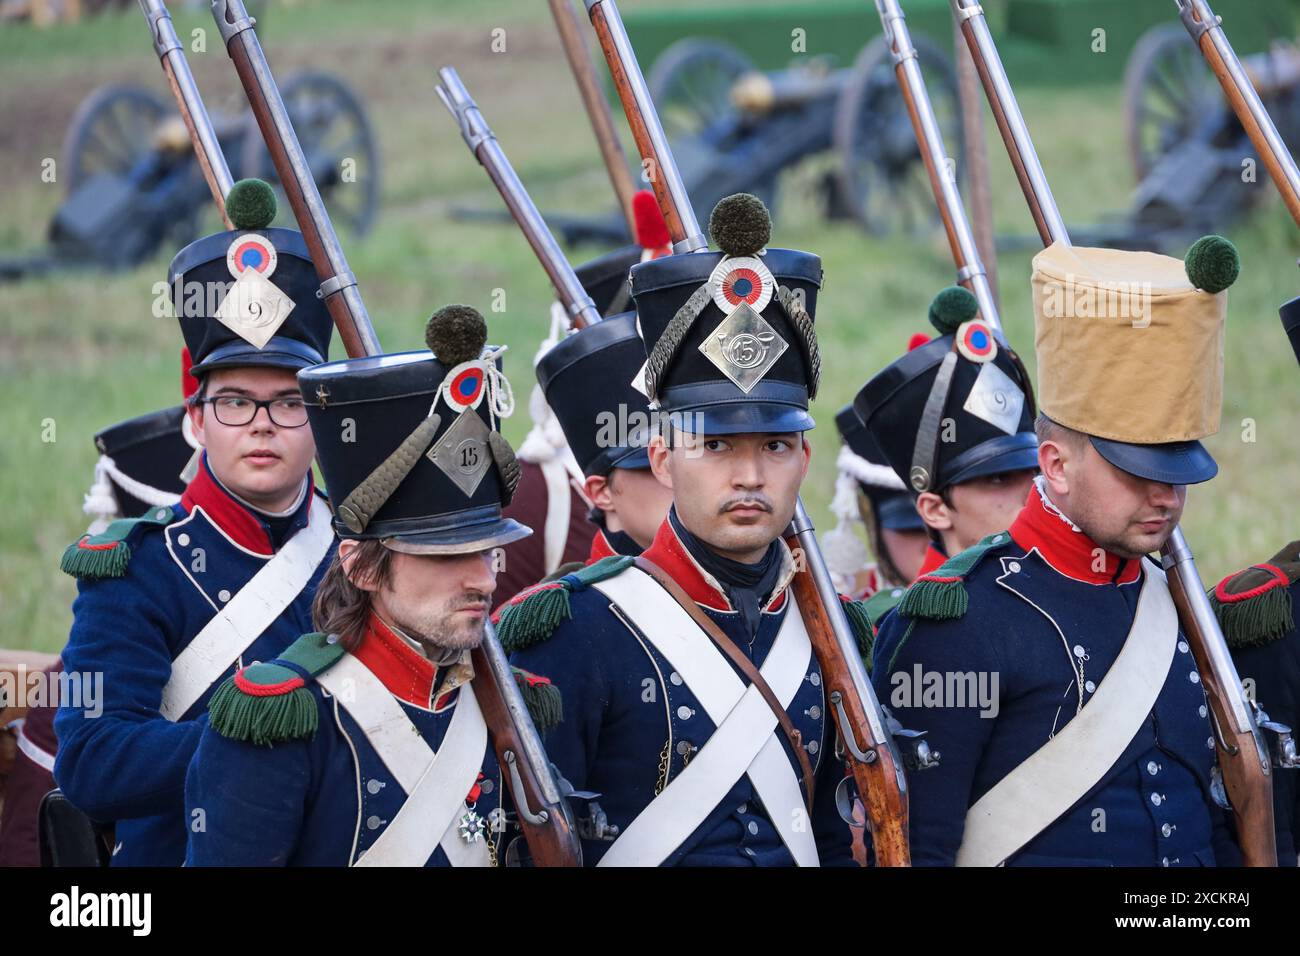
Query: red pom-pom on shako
651, 230
189, 384
917, 340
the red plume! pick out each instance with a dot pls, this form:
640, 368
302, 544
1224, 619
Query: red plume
189, 384
651, 230
917, 340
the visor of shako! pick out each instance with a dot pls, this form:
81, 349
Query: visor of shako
957, 408
729, 340
248, 297
588, 382
1290, 315
148, 450
409, 450
605, 279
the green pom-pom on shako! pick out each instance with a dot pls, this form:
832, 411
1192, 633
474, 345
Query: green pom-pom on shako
951, 307
250, 204
455, 334
1212, 264
740, 224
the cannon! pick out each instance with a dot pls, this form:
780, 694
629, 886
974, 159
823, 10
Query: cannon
134, 186
1195, 165
736, 129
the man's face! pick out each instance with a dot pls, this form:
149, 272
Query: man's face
737, 493
985, 506
906, 550
262, 462
442, 601
634, 501
1126, 515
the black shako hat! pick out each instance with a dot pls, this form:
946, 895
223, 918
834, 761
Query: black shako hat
959, 407
248, 297
408, 443
147, 455
588, 382
729, 336
893, 505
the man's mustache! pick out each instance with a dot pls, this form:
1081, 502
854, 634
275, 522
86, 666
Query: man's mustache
471, 601
748, 501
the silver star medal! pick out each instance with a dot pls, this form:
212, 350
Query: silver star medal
472, 826
254, 308
744, 347
462, 454
996, 399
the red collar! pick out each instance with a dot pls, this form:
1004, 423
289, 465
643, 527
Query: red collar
1071, 553
231, 517
933, 559
668, 552
407, 673
599, 548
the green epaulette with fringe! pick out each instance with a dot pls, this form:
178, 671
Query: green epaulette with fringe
941, 594
106, 555
541, 697
533, 615
268, 702
1254, 606
860, 622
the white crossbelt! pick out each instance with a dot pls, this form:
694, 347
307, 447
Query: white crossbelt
435, 783
250, 612
744, 741
558, 505
1055, 777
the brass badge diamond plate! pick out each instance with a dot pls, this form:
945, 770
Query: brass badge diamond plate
462, 452
254, 308
996, 399
744, 347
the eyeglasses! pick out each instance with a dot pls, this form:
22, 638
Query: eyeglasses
237, 410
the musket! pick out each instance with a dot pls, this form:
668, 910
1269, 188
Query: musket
971, 271
593, 98
207, 149
1243, 755
482, 142
864, 731
543, 814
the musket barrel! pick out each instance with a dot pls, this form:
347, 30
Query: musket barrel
1002, 100
482, 142
971, 271
207, 148
339, 285
665, 178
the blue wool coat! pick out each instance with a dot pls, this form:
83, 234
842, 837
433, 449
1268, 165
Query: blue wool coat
324, 800
119, 760
1046, 623
631, 725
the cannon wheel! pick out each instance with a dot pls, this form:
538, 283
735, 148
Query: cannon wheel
1168, 92
331, 123
110, 132
881, 174
691, 82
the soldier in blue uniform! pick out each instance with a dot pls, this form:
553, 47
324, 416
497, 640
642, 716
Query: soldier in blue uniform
587, 380
324, 755
662, 659
1046, 663
168, 604
954, 417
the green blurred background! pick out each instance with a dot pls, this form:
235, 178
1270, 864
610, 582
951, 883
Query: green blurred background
83, 350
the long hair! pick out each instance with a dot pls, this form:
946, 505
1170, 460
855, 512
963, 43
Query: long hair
342, 608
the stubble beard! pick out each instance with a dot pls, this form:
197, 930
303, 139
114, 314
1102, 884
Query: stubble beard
439, 627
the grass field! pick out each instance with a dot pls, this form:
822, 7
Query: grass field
82, 351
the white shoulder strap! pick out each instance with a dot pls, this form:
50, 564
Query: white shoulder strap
1028, 800
435, 783
744, 740
236, 626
